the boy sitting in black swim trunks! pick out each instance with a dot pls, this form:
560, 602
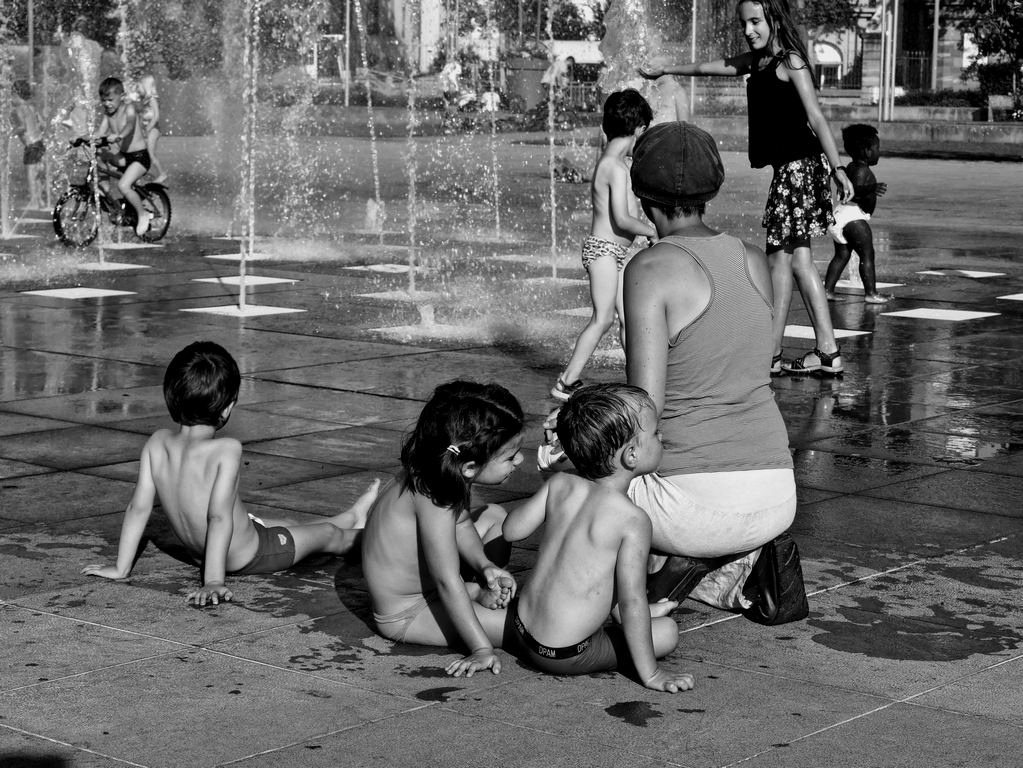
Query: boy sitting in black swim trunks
196, 478
123, 129
594, 549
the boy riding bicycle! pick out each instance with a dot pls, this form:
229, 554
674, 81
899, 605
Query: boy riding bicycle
128, 155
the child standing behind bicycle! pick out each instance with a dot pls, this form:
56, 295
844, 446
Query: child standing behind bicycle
122, 127
149, 111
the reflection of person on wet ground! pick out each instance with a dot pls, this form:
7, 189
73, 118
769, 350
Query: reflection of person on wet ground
851, 231
613, 229
698, 306
423, 528
196, 478
592, 558
789, 132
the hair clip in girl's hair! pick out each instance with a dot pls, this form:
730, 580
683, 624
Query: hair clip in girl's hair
453, 449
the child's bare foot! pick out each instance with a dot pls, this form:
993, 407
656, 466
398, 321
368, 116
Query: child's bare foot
499, 596
143, 225
877, 298
832, 296
355, 517
663, 607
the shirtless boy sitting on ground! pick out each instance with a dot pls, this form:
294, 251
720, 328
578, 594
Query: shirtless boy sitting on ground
592, 559
122, 127
196, 478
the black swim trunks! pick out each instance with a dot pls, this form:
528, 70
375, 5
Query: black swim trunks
141, 157
34, 153
276, 551
599, 652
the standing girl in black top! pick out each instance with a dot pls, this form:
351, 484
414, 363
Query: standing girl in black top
788, 132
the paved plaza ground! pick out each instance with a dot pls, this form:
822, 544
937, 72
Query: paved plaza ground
909, 470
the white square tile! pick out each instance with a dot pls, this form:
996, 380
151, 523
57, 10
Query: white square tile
859, 286
806, 332
249, 280
232, 310
110, 266
391, 269
403, 296
554, 281
79, 293
128, 246
953, 315
975, 274
971, 273
256, 256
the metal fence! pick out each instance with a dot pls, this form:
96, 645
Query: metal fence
913, 70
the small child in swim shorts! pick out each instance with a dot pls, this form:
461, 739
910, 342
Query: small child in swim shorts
423, 528
614, 227
592, 558
196, 478
851, 230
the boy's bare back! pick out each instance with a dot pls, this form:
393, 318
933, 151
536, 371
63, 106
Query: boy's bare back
588, 529
611, 188
195, 478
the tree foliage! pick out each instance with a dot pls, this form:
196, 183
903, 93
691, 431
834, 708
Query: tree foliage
996, 27
822, 17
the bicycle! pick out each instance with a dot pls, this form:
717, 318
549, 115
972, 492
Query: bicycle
76, 220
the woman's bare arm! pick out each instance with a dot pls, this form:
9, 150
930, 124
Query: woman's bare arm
799, 75
646, 326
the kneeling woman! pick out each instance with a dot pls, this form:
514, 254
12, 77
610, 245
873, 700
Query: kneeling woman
698, 308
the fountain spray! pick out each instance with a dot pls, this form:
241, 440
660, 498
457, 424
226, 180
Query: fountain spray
250, 99
361, 24
415, 12
551, 88
6, 79
492, 35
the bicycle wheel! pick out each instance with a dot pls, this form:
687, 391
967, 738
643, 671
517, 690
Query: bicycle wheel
156, 201
75, 219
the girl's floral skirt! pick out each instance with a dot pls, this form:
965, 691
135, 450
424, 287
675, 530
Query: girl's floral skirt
799, 203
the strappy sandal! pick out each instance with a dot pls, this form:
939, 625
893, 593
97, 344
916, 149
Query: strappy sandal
829, 365
776, 365
563, 391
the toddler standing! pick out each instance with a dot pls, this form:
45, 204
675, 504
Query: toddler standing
851, 231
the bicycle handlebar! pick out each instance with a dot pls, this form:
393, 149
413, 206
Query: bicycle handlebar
98, 142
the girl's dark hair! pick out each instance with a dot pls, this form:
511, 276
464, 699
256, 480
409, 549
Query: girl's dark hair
624, 112
475, 421
596, 422
201, 381
778, 16
857, 138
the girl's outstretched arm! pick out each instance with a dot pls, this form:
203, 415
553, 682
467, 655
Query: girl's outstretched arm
730, 67
799, 74
436, 527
